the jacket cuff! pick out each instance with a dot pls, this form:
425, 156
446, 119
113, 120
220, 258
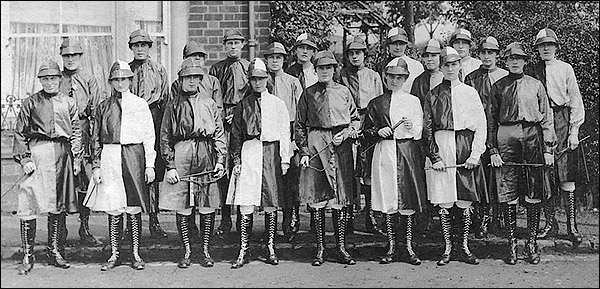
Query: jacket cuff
494, 151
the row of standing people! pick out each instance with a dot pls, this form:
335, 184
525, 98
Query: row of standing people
325, 181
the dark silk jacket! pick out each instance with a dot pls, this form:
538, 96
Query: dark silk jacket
520, 98
232, 74
178, 125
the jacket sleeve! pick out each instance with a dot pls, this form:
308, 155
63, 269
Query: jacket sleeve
300, 129
219, 136
577, 111
478, 145
236, 138
547, 120
21, 151
285, 148
149, 137
166, 137
431, 146
95, 138
495, 100
76, 138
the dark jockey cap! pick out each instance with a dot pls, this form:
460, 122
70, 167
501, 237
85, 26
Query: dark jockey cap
515, 48
49, 68
140, 36
324, 58
357, 44
193, 47
190, 67
69, 46
233, 34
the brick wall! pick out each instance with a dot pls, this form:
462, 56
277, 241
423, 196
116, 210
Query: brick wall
208, 21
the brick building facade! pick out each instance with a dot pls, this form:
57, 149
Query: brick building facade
208, 21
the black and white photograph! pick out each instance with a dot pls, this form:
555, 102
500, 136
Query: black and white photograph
300, 144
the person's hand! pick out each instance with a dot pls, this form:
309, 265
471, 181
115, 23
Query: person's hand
219, 170
229, 118
408, 124
285, 167
470, 164
77, 169
548, 159
339, 137
385, 132
172, 176
496, 160
149, 175
304, 161
439, 166
29, 167
97, 176
237, 169
573, 141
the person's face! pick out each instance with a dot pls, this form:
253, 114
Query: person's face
450, 70
304, 53
547, 51
121, 84
275, 62
356, 57
488, 58
395, 81
140, 50
189, 83
432, 61
234, 47
259, 84
50, 83
198, 58
515, 64
397, 48
462, 47
71, 61
325, 73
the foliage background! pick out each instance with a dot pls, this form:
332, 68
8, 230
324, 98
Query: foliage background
575, 22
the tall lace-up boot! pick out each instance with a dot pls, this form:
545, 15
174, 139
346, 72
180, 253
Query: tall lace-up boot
207, 223
390, 255
28, 228
318, 224
510, 215
446, 228
115, 230
183, 228
340, 220
244, 229
135, 228
55, 232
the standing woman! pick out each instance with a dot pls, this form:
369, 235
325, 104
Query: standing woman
192, 141
47, 144
327, 123
398, 176
261, 151
123, 166
456, 117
